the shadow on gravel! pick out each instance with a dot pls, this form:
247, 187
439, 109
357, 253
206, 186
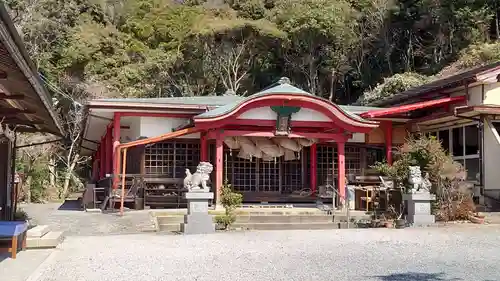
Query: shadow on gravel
70, 205
414, 276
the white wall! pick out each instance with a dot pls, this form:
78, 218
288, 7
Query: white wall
155, 126
266, 113
492, 93
491, 158
131, 133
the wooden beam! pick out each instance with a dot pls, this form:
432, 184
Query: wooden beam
22, 122
4, 110
3, 96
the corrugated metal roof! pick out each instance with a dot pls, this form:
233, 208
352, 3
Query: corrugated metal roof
204, 100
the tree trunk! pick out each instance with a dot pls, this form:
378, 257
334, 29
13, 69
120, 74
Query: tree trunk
67, 178
52, 171
27, 189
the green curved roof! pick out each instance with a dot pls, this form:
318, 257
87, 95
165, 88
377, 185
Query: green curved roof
287, 89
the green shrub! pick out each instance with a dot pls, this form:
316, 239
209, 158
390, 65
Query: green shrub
230, 200
21, 215
454, 201
393, 85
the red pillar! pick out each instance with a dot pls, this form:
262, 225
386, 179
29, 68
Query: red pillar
341, 171
116, 142
106, 156
388, 141
95, 166
218, 167
203, 147
314, 173
109, 150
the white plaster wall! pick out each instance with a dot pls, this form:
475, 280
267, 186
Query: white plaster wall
133, 132
266, 113
475, 95
155, 126
261, 113
491, 158
357, 138
306, 114
492, 93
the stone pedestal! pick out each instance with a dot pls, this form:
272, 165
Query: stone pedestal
419, 208
198, 221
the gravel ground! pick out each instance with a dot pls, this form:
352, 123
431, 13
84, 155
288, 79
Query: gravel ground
70, 219
467, 253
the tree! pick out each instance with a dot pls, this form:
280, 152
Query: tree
321, 34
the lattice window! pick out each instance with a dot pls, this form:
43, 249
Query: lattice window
327, 157
292, 175
242, 171
353, 160
269, 175
171, 158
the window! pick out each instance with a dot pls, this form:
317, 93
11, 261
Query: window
457, 135
444, 138
463, 144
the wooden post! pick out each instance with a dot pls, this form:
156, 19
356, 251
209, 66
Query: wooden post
388, 141
314, 173
124, 167
341, 172
116, 142
13, 249
219, 153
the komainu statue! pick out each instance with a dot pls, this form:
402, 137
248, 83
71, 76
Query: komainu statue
197, 182
419, 184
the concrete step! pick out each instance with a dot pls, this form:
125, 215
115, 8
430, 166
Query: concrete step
50, 240
292, 226
38, 231
271, 226
259, 219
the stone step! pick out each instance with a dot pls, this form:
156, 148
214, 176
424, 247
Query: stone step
259, 219
50, 240
274, 218
38, 231
271, 226
292, 226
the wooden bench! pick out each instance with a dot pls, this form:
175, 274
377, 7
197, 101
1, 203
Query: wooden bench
13, 234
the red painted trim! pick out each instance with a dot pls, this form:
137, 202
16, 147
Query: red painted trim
273, 128
203, 147
156, 114
341, 171
219, 154
270, 134
314, 173
387, 127
272, 123
332, 111
411, 107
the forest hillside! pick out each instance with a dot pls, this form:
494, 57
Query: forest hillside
348, 51
338, 49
